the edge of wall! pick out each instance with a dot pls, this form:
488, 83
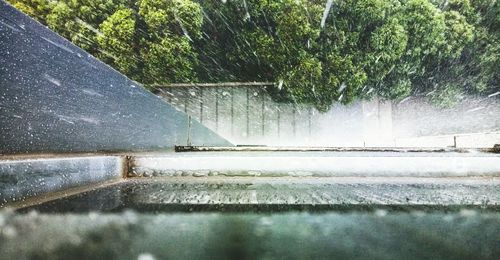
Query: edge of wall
26, 178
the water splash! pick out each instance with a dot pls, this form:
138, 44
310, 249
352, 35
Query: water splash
325, 13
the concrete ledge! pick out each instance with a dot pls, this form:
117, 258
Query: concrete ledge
472, 140
24, 178
317, 164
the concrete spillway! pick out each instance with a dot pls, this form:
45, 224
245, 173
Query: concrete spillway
203, 205
267, 178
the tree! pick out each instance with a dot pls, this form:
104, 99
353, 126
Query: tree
364, 48
168, 33
116, 40
356, 49
150, 41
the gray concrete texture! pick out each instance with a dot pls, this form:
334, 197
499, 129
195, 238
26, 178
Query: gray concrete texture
274, 194
370, 192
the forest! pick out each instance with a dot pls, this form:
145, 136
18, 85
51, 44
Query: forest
315, 51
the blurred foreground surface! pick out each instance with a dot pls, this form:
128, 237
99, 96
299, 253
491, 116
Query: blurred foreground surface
378, 234
190, 217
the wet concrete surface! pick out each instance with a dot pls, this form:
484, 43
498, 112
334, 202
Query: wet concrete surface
247, 194
221, 217
380, 234
200, 215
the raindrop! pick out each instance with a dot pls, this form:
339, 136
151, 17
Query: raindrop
325, 13
146, 256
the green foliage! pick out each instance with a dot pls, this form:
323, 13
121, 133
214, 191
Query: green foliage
149, 40
171, 17
458, 33
60, 19
170, 60
170, 27
35, 8
447, 96
116, 41
389, 48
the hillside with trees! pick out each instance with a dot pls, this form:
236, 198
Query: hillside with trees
315, 51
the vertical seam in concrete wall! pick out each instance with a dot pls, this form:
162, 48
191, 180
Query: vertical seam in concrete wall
126, 166
293, 121
232, 112
216, 109
279, 111
201, 105
188, 141
248, 112
263, 111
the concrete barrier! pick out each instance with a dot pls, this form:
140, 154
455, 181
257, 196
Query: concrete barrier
21, 178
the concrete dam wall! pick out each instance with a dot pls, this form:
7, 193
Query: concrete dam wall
246, 114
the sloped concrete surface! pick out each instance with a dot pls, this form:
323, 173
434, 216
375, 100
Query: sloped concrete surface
55, 97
